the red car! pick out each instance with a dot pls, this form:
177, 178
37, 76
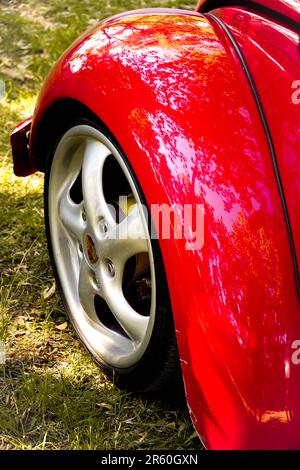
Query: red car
170, 142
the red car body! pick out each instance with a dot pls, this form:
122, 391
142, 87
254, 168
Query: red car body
206, 107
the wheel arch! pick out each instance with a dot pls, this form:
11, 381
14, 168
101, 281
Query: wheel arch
55, 117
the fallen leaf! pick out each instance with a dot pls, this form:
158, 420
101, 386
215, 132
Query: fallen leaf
62, 327
49, 292
104, 405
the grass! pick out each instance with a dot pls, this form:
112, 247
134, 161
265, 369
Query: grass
52, 396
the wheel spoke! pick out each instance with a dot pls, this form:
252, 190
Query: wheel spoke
127, 239
132, 322
70, 215
87, 291
96, 207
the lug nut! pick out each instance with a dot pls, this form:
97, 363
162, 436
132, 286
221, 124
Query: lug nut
103, 226
110, 268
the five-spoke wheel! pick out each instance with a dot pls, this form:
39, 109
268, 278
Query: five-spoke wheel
103, 257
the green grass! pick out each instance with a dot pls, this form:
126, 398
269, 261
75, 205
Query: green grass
52, 396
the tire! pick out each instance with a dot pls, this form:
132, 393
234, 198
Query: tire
112, 282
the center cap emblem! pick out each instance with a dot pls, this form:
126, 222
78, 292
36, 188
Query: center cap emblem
91, 249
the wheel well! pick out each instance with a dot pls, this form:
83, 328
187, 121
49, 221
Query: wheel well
53, 122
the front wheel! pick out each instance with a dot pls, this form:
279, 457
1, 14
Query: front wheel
109, 271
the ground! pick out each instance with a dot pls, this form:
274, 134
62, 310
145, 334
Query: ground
52, 396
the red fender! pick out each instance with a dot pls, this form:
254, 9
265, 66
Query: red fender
171, 89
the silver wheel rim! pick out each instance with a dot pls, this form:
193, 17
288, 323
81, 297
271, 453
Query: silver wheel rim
92, 250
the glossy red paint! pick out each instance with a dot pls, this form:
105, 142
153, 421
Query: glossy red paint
270, 49
171, 89
288, 8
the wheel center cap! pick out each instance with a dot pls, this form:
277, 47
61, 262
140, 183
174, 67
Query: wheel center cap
91, 249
